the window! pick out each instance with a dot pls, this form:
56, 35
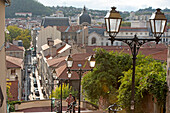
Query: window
131, 33
126, 33
140, 33
107, 44
117, 43
93, 40
13, 71
101, 43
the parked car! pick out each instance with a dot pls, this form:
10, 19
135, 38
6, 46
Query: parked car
35, 85
35, 89
37, 93
34, 81
29, 70
33, 75
37, 98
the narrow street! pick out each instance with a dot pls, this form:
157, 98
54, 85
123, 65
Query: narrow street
32, 89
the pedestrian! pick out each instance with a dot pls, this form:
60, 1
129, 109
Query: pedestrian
74, 103
69, 100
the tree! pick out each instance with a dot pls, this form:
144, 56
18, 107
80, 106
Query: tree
66, 90
150, 78
25, 40
168, 25
102, 83
125, 24
14, 31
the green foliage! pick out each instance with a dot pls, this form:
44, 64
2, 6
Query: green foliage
12, 105
168, 25
16, 33
66, 90
31, 6
125, 24
103, 81
150, 77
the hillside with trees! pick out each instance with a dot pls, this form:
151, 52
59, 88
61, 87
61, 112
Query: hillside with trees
31, 6
38, 9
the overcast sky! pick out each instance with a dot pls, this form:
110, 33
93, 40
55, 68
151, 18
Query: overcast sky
122, 5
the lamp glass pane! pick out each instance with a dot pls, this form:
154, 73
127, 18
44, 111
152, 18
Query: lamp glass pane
54, 75
118, 24
57, 81
107, 24
163, 25
92, 64
113, 25
69, 75
46, 81
158, 25
69, 64
152, 25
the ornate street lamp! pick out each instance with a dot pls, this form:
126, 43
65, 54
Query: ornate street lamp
92, 61
69, 74
79, 71
158, 22
69, 61
113, 22
54, 77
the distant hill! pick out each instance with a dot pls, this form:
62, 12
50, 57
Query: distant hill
72, 11
32, 6
150, 10
37, 8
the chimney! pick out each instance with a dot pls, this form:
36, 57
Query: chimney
53, 51
50, 42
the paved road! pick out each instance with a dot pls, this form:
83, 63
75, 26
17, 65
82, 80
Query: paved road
33, 80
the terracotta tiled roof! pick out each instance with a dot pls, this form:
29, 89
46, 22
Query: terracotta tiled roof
13, 62
13, 90
55, 61
64, 48
61, 68
162, 55
57, 41
14, 48
62, 28
158, 52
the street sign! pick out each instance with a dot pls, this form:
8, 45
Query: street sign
79, 65
1, 97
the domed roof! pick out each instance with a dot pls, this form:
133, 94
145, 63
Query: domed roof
84, 17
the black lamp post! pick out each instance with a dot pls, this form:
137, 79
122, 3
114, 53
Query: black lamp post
60, 81
52, 85
79, 71
113, 22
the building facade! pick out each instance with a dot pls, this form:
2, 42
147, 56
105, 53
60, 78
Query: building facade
44, 33
15, 70
15, 51
3, 107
